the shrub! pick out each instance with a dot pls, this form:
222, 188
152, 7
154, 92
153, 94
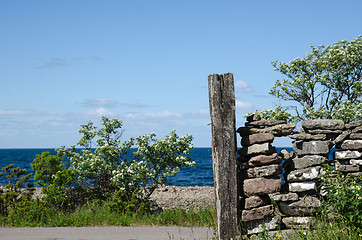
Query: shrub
343, 197
106, 168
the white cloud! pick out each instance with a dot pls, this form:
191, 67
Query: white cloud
13, 113
100, 112
241, 86
244, 106
100, 102
163, 114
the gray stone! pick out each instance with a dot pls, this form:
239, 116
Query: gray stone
253, 118
262, 123
261, 186
350, 145
355, 136
357, 130
257, 138
345, 155
312, 147
356, 174
326, 124
341, 137
304, 206
299, 222
257, 213
305, 174
308, 136
308, 161
331, 133
302, 186
265, 171
270, 223
347, 168
256, 201
286, 155
284, 197
354, 124
277, 130
255, 149
261, 160
356, 162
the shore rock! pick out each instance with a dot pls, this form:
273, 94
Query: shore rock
302, 186
264, 171
326, 124
261, 186
277, 130
284, 197
262, 160
257, 213
299, 222
350, 145
305, 206
355, 136
256, 201
257, 138
312, 147
305, 174
308, 136
354, 124
270, 223
308, 161
269, 123
168, 197
255, 149
345, 155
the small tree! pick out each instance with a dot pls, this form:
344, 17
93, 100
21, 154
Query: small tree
110, 166
327, 83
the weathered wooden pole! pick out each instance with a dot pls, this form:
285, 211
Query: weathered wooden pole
222, 112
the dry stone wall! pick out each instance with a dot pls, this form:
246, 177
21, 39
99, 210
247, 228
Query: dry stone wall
280, 190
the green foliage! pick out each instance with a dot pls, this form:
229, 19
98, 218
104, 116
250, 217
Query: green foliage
343, 197
55, 180
102, 176
326, 83
14, 193
50, 170
107, 169
122, 202
279, 113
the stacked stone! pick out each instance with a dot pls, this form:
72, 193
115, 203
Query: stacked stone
260, 167
312, 146
348, 159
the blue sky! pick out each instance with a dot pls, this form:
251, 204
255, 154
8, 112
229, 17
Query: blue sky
66, 62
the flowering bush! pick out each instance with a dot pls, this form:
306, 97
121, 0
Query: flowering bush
326, 84
107, 168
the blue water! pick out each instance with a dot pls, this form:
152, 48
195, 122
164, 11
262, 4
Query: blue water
199, 175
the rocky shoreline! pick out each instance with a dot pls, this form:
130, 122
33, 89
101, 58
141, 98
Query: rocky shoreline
168, 197
197, 197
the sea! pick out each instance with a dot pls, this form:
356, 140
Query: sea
199, 175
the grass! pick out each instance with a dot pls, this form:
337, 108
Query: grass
98, 214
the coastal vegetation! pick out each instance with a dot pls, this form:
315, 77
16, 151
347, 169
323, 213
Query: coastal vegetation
326, 84
105, 185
